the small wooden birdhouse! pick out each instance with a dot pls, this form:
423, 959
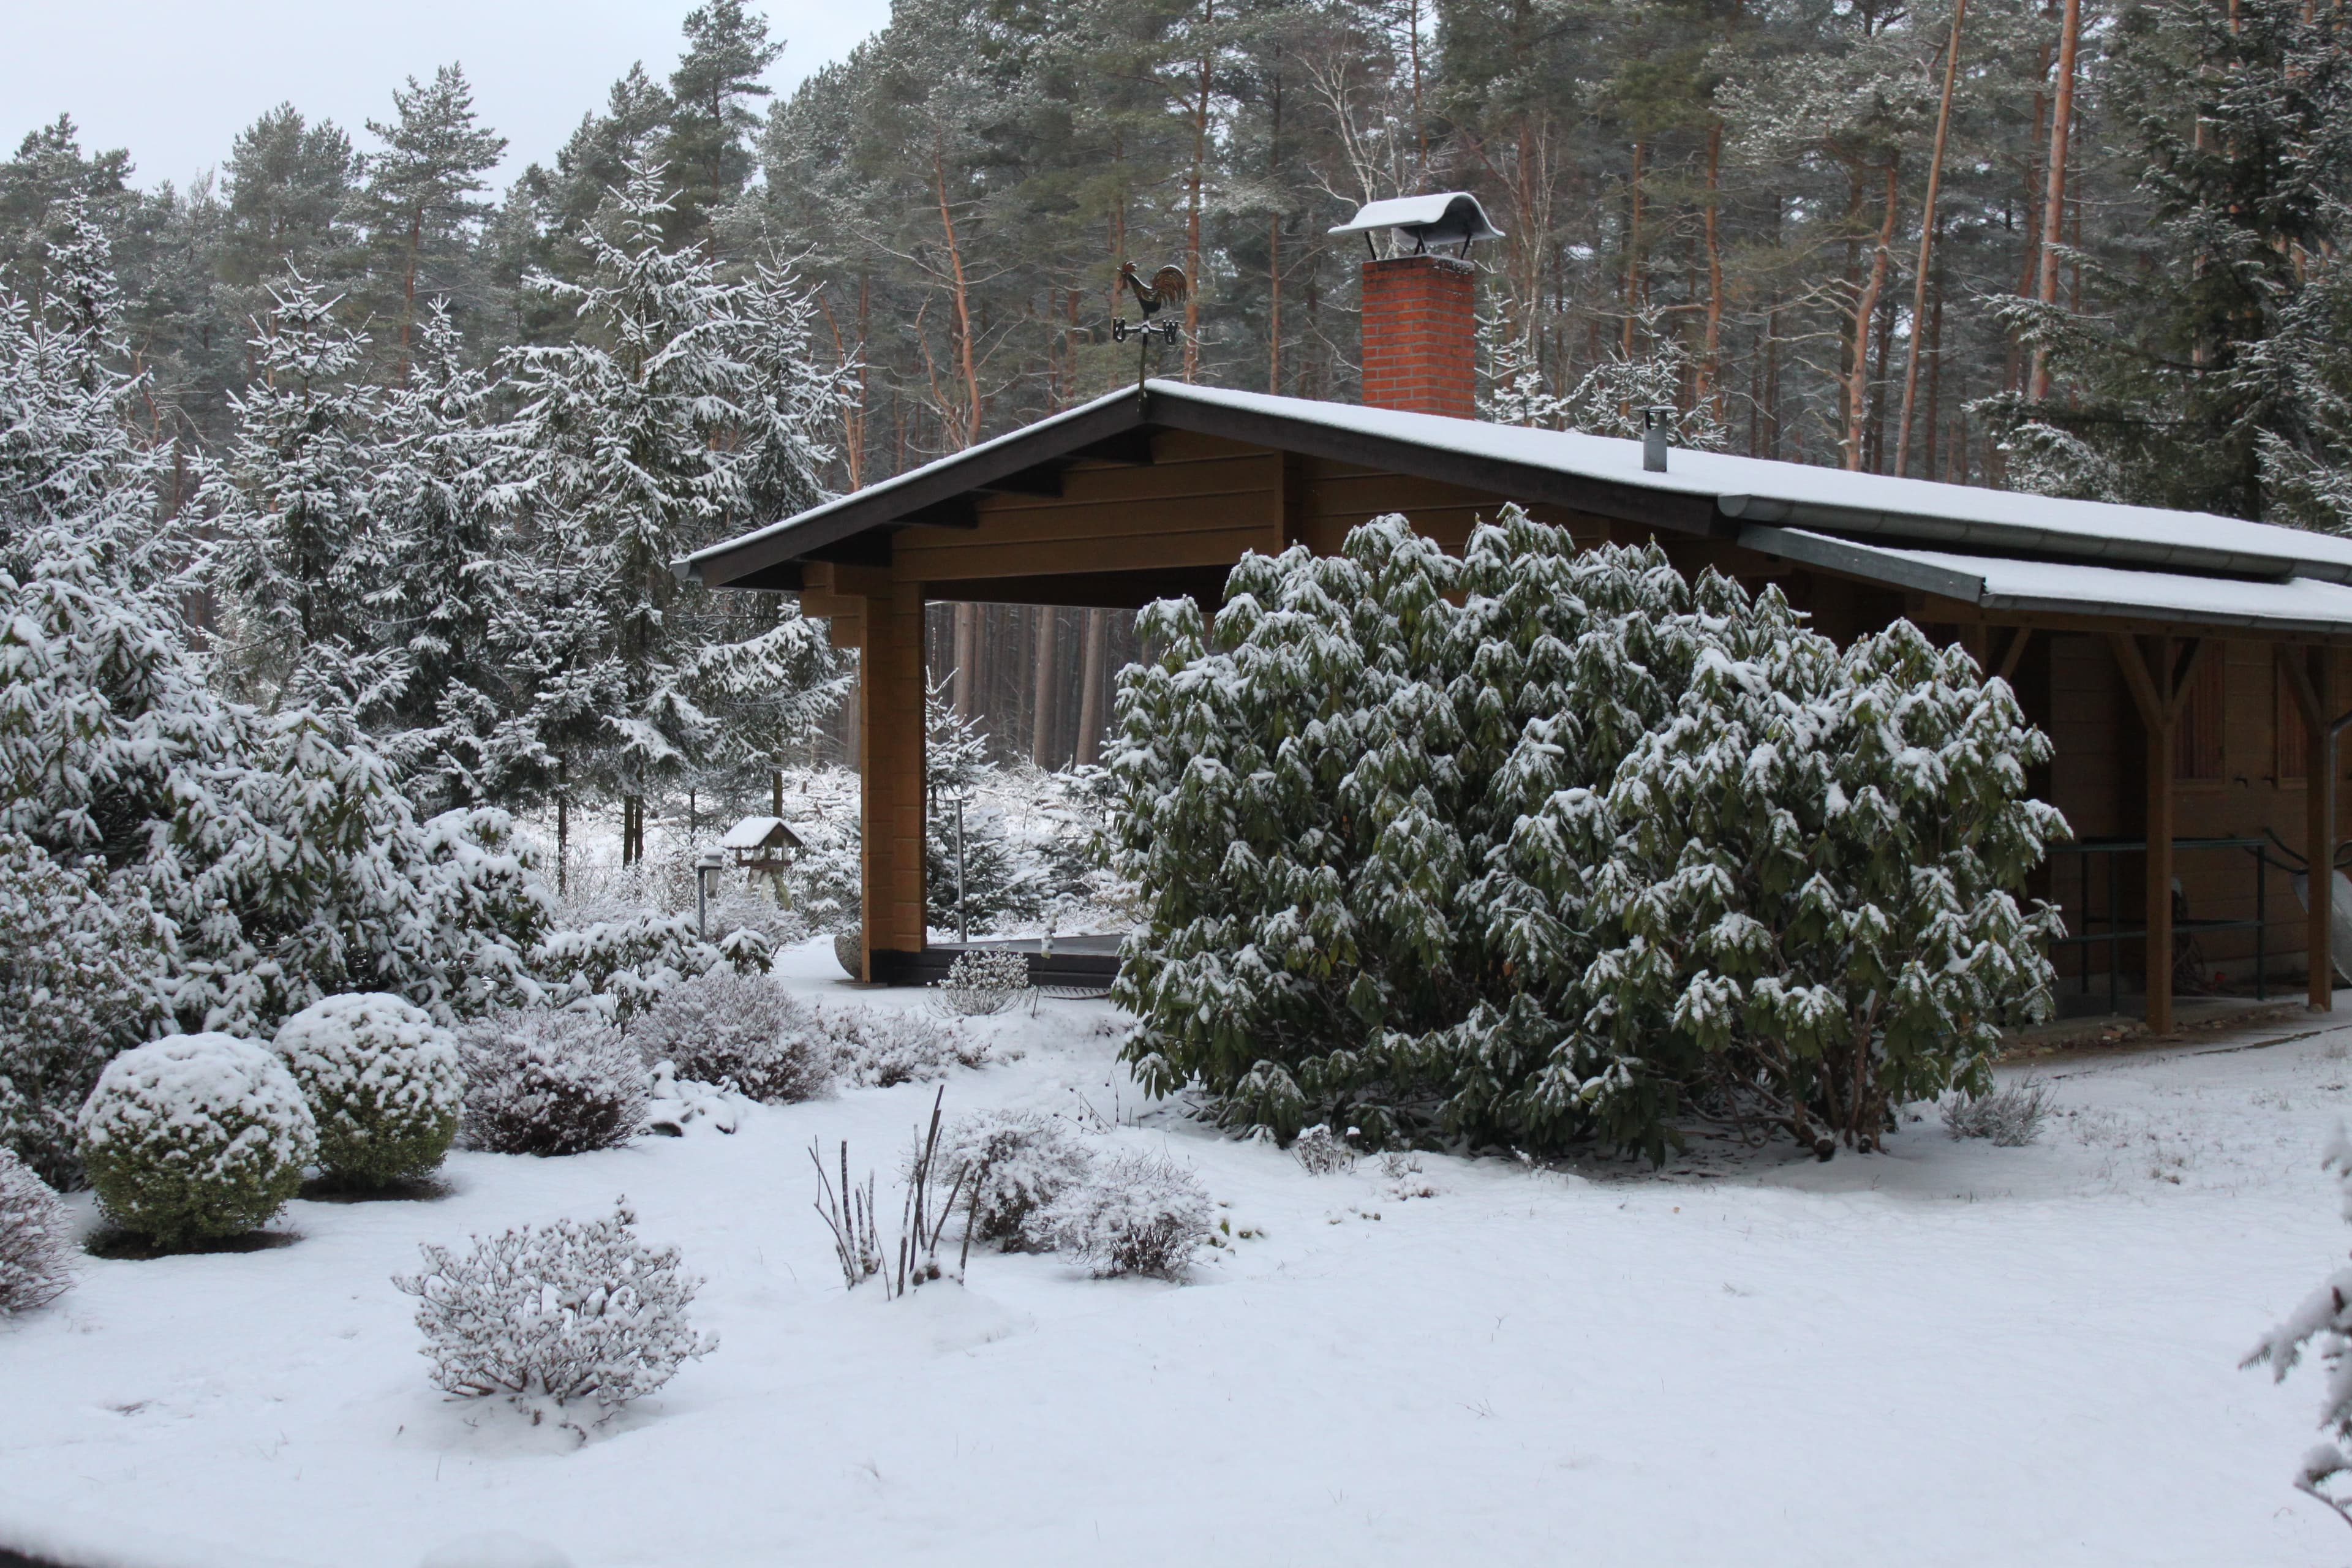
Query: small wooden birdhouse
761, 845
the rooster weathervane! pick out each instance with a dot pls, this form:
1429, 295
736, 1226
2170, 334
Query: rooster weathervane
1168, 287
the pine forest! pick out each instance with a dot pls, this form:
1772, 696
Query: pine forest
2071, 246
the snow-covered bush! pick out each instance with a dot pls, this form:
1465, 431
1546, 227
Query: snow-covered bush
1018, 1161
637, 959
557, 1314
35, 1239
542, 1082
1138, 1213
983, 981
2010, 1115
1542, 844
744, 1029
196, 1136
77, 984
1321, 1151
2324, 1319
877, 1048
382, 1082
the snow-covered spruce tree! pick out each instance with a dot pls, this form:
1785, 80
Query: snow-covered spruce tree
2323, 1319
196, 1136
446, 486
638, 427
295, 555
274, 858
1541, 845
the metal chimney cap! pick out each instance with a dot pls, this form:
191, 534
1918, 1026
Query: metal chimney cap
1448, 217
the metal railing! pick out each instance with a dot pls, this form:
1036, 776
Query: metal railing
2116, 933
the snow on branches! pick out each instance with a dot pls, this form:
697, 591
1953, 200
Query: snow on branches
2323, 1319
1542, 843
557, 1314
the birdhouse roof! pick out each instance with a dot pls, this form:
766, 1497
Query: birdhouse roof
761, 833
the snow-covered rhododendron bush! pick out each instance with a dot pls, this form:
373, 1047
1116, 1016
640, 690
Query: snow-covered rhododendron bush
382, 1082
1542, 845
196, 1136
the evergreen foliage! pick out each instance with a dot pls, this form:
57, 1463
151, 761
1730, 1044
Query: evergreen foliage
194, 1137
382, 1082
1539, 846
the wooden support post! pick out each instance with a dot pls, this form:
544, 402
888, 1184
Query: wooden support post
2308, 679
890, 767
2157, 687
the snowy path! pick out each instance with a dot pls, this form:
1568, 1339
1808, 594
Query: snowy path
1951, 1354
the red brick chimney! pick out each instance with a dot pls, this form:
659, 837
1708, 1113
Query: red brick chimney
1420, 335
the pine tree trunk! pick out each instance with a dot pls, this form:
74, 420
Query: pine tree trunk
1041, 718
1710, 364
562, 845
1193, 205
1865, 309
967, 361
1090, 692
967, 659
2054, 210
1927, 244
1633, 251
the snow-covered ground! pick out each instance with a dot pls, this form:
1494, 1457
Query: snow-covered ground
1948, 1354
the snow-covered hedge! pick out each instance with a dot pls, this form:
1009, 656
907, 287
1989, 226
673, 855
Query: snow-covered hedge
196, 1136
557, 1314
876, 1047
1018, 1161
383, 1082
1537, 845
542, 1082
1138, 1213
35, 1239
745, 1029
636, 958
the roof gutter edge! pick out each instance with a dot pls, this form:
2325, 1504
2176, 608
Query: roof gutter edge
1917, 528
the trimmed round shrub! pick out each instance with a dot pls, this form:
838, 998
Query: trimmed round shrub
541, 1082
196, 1136
741, 1029
1018, 1161
35, 1239
1139, 1213
382, 1082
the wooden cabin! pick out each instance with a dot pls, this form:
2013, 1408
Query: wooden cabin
2188, 667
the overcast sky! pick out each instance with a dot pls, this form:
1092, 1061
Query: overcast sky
174, 80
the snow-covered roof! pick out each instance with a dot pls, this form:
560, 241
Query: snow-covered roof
2180, 564
757, 833
2006, 585
1444, 218
1759, 490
